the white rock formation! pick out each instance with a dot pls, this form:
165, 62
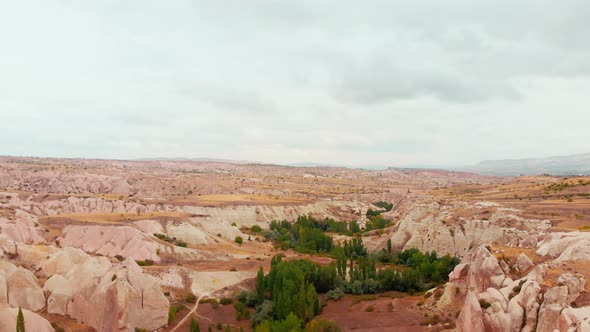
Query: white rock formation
33, 322
111, 241
19, 287
105, 297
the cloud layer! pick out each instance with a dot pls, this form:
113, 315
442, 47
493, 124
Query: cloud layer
383, 82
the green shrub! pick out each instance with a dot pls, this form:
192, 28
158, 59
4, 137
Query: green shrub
322, 325
190, 298
239, 240
194, 325
172, 313
335, 294
146, 262
242, 311
256, 229
226, 301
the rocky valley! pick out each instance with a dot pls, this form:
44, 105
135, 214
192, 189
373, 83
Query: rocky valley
112, 245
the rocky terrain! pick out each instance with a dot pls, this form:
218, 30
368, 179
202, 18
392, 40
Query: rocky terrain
99, 245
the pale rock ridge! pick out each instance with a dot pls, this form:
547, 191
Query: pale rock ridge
556, 311
33, 322
108, 298
510, 305
471, 317
566, 246
19, 287
523, 262
23, 229
428, 227
126, 241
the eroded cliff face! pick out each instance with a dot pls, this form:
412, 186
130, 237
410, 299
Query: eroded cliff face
70, 249
537, 301
458, 227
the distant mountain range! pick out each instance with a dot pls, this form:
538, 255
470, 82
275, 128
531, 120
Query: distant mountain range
368, 167
207, 160
578, 164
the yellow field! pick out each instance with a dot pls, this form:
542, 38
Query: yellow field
243, 199
112, 218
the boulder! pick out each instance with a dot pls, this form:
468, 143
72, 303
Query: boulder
19, 288
575, 285
574, 319
523, 262
33, 322
120, 298
566, 246
471, 317
556, 299
484, 271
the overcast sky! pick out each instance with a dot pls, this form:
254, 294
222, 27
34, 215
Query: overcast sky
341, 82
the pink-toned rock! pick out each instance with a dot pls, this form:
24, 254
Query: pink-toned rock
20, 231
111, 241
19, 287
33, 322
555, 301
121, 299
460, 272
471, 317
523, 262
566, 246
7, 246
85, 273
484, 271
574, 319
149, 226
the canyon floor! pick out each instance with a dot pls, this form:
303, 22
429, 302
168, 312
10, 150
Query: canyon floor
79, 251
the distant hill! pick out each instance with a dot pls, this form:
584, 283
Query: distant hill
368, 167
560, 165
208, 160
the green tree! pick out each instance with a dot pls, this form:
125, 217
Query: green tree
20, 321
389, 246
239, 240
260, 286
194, 325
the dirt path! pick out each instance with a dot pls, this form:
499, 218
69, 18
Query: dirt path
193, 310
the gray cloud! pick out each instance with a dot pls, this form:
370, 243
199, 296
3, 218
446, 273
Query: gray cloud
423, 82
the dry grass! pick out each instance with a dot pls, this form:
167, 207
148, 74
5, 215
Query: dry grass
551, 276
239, 199
111, 218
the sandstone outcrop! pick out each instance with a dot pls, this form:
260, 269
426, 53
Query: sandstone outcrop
33, 322
431, 227
19, 287
111, 241
523, 262
471, 317
506, 304
566, 246
556, 311
108, 298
